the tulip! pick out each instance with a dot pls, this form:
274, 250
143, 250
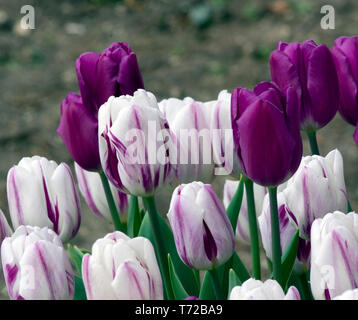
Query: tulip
334, 254
92, 190
202, 232
309, 68
189, 121
42, 193
113, 73
345, 53
133, 154
36, 266
315, 189
253, 289
242, 229
79, 131
222, 135
267, 139
121, 268
348, 295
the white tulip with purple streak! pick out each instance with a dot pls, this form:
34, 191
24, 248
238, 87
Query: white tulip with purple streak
202, 232
121, 268
36, 266
42, 193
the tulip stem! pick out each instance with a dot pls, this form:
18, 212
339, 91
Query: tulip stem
159, 244
111, 204
275, 234
133, 225
313, 142
254, 235
216, 284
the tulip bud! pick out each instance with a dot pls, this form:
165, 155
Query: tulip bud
310, 70
315, 189
253, 289
266, 133
121, 268
334, 255
115, 72
36, 266
242, 228
348, 295
92, 190
189, 121
202, 232
345, 53
222, 136
42, 193
134, 143
79, 131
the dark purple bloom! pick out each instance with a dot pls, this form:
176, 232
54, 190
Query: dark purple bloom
266, 132
78, 130
345, 54
192, 298
310, 69
115, 72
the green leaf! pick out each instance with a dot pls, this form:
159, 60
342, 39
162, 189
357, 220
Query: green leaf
80, 292
178, 289
134, 217
207, 291
185, 274
239, 268
76, 256
289, 257
235, 204
233, 281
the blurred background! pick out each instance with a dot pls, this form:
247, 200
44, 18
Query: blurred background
185, 48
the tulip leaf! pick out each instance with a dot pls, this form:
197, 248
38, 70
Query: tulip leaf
239, 268
134, 217
233, 281
235, 204
178, 289
80, 292
185, 274
289, 257
207, 291
76, 256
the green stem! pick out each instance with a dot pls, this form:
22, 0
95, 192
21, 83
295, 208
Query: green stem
111, 204
313, 142
133, 217
216, 284
159, 244
254, 235
275, 234
235, 204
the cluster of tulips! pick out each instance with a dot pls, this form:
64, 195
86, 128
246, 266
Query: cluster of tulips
126, 145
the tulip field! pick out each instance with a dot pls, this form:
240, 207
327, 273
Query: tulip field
127, 143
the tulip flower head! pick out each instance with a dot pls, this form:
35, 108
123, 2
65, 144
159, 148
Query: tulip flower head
135, 143
202, 232
36, 266
310, 70
266, 132
253, 289
121, 268
42, 193
334, 255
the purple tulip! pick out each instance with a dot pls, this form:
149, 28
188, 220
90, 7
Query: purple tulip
79, 131
345, 53
36, 266
309, 68
266, 132
202, 232
115, 72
